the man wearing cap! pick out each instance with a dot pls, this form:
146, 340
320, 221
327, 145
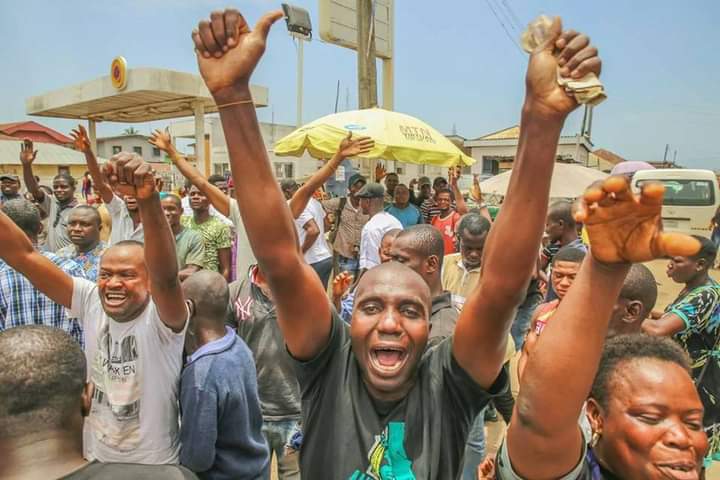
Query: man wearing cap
9, 187
349, 222
372, 203
425, 190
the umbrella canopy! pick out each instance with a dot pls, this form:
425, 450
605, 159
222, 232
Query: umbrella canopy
397, 137
568, 181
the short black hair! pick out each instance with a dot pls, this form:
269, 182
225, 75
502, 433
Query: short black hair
401, 185
64, 176
214, 178
391, 173
439, 180
171, 196
444, 190
562, 210
569, 253
474, 224
23, 214
426, 240
640, 285
708, 251
92, 210
620, 350
42, 379
209, 292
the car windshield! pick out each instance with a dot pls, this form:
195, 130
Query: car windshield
685, 192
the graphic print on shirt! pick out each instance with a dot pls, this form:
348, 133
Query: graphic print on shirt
387, 457
115, 412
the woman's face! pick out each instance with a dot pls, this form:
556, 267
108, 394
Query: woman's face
652, 428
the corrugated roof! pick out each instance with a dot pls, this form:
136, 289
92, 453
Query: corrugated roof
608, 156
10, 128
48, 154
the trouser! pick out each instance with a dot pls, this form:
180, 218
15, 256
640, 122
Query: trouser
522, 319
474, 448
323, 268
278, 434
346, 264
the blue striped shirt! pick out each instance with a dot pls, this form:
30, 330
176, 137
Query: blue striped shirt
22, 304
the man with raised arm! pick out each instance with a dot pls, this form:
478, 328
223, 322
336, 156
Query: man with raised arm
225, 205
125, 216
55, 207
133, 338
375, 403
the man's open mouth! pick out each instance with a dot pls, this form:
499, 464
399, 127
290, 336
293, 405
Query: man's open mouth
682, 470
388, 359
114, 299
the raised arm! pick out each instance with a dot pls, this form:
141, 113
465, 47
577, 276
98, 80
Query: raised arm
460, 205
130, 175
544, 439
228, 52
216, 197
27, 157
476, 194
481, 333
349, 147
18, 252
82, 143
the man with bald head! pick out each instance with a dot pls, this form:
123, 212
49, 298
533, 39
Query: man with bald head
189, 246
134, 320
221, 428
84, 227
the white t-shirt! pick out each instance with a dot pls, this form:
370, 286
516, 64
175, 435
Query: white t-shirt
371, 236
188, 211
319, 250
244, 254
123, 227
135, 367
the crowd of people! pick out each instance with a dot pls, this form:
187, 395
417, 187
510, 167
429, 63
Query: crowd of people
371, 336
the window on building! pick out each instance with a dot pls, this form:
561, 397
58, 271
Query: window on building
400, 170
221, 168
284, 170
156, 152
116, 149
138, 150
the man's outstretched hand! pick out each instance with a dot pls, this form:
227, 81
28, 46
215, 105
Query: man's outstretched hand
228, 51
354, 146
572, 53
27, 154
81, 141
161, 139
624, 227
128, 174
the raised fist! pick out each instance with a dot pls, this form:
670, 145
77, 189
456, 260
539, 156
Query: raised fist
128, 174
628, 228
572, 53
228, 51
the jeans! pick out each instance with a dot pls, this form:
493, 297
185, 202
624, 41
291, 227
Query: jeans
278, 434
475, 447
323, 268
346, 264
522, 319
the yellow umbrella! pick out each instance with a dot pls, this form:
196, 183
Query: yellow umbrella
397, 137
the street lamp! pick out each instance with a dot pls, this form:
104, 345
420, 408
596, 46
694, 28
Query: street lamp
299, 26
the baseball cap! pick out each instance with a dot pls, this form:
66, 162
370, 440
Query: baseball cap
9, 176
356, 178
371, 190
288, 184
424, 181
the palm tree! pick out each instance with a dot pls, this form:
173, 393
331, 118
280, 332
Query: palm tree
130, 131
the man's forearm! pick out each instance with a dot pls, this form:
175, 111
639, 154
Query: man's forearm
299, 201
105, 191
460, 205
259, 197
31, 184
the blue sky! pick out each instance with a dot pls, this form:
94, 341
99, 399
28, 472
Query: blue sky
454, 64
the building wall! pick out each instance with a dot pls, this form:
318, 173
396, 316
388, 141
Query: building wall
507, 153
128, 143
45, 172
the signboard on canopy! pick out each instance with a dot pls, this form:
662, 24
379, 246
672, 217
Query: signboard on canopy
338, 24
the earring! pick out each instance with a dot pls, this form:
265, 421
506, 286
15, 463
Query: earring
595, 439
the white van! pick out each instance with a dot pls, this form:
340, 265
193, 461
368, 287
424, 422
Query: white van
691, 198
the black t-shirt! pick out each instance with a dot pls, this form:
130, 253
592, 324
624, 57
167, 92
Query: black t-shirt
122, 471
348, 435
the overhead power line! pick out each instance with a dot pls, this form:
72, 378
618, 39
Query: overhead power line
502, 24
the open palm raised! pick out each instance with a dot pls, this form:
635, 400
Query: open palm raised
228, 51
628, 228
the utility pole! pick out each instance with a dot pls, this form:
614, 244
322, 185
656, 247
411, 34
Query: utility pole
367, 70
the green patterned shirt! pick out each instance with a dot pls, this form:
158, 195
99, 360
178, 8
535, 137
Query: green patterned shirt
216, 236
